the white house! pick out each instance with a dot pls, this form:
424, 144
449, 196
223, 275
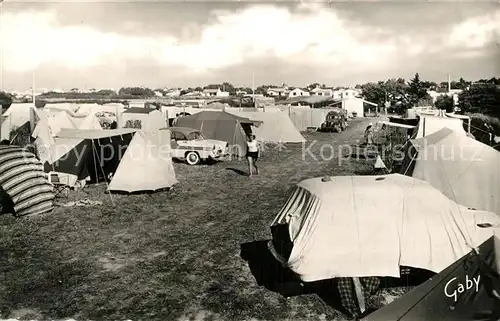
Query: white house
215, 93
173, 93
450, 93
349, 93
325, 92
297, 92
158, 93
277, 92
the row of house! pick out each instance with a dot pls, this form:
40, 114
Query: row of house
287, 92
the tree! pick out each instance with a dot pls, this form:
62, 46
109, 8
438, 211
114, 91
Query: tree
226, 86
417, 92
445, 102
5, 100
481, 98
314, 85
136, 91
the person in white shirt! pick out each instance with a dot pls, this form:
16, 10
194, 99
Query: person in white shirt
253, 153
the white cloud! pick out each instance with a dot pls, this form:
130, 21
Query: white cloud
313, 35
476, 33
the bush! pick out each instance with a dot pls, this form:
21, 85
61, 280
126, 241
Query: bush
482, 125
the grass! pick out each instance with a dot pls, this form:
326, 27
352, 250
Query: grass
164, 256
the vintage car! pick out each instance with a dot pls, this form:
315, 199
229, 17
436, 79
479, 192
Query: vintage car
336, 120
189, 145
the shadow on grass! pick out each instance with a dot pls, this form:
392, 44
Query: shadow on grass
36, 283
237, 171
269, 273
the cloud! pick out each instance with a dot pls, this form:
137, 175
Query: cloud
311, 35
477, 32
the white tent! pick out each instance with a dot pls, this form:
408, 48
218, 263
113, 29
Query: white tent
16, 116
88, 122
464, 169
148, 121
345, 226
430, 124
276, 127
146, 164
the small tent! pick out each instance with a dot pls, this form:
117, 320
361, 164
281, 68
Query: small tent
275, 128
23, 179
462, 168
463, 291
142, 118
16, 116
222, 126
146, 164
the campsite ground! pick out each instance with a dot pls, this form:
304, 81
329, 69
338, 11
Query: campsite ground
169, 255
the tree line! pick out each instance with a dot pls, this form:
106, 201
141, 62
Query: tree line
482, 96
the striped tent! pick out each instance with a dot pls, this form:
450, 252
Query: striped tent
23, 178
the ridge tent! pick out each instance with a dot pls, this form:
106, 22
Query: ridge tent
142, 118
146, 165
377, 236
440, 298
430, 124
23, 179
95, 154
275, 128
462, 168
222, 126
77, 155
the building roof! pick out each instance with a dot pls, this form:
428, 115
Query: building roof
211, 90
138, 110
277, 89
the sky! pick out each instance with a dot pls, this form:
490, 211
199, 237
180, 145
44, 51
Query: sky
96, 44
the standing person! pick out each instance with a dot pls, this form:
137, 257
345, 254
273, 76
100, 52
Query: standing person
253, 153
369, 134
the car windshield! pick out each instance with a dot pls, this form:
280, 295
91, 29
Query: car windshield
195, 136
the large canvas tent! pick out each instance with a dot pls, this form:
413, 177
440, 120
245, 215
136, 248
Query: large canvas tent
23, 179
304, 118
419, 227
275, 128
462, 168
221, 126
95, 154
80, 155
430, 124
441, 298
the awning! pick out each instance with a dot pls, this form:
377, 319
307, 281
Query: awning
388, 123
93, 134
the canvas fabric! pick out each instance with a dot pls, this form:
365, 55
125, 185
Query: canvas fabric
376, 236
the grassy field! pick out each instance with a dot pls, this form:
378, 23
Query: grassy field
166, 256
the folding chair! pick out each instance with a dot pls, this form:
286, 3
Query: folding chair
59, 187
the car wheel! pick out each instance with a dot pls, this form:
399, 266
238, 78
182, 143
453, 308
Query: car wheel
192, 158
338, 129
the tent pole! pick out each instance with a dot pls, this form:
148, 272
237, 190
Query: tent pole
104, 174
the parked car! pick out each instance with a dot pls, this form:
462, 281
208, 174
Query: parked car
189, 145
336, 120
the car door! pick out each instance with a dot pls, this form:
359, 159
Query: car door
177, 151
